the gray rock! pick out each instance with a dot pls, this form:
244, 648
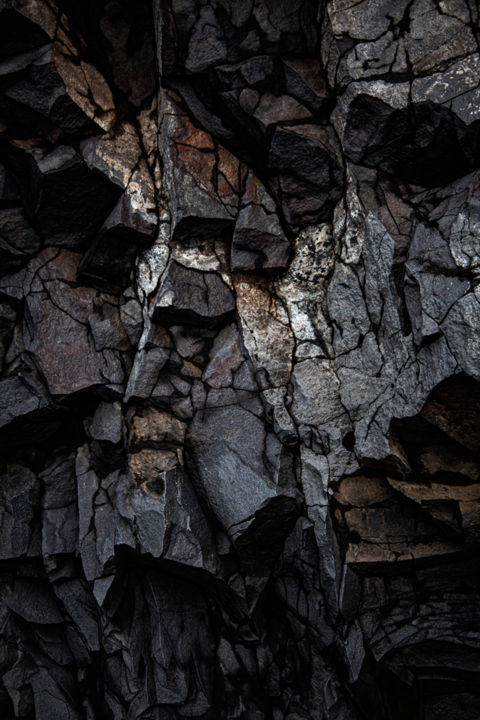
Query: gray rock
187, 296
106, 424
60, 519
21, 396
250, 496
20, 494
259, 242
460, 328
244, 489
18, 239
207, 45
34, 601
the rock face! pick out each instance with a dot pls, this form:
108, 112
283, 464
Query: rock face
239, 360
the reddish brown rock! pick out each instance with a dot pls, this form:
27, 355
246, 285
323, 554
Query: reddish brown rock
61, 315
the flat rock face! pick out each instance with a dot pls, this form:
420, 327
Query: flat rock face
239, 360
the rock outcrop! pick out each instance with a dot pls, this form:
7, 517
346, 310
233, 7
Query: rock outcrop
239, 359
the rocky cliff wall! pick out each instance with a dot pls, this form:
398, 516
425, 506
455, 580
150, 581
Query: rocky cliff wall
239, 353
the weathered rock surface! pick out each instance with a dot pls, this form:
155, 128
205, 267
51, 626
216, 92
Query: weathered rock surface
239, 360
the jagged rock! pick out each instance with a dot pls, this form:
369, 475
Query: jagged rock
207, 44
453, 408
259, 242
239, 386
270, 110
60, 524
34, 601
129, 223
18, 239
407, 142
34, 92
154, 426
106, 423
66, 199
64, 314
303, 80
20, 494
107, 263
204, 178
244, 490
22, 394
187, 296
306, 160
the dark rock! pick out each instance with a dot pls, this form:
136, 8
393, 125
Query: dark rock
9, 191
20, 495
242, 487
229, 364
18, 33
256, 72
108, 263
187, 296
204, 178
22, 394
239, 385
259, 242
60, 523
34, 601
128, 223
81, 360
67, 200
269, 110
36, 94
106, 423
453, 408
18, 240
109, 260
310, 175
207, 44
303, 80
422, 144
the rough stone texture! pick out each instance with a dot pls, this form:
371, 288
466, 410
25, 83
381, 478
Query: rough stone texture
239, 359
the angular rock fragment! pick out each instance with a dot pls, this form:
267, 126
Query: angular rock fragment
453, 408
304, 80
306, 160
18, 239
187, 296
106, 423
152, 427
22, 395
204, 178
258, 242
248, 492
34, 601
66, 199
108, 262
130, 223
60, 522
408, 141
20, 535
58, 313
35, 93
